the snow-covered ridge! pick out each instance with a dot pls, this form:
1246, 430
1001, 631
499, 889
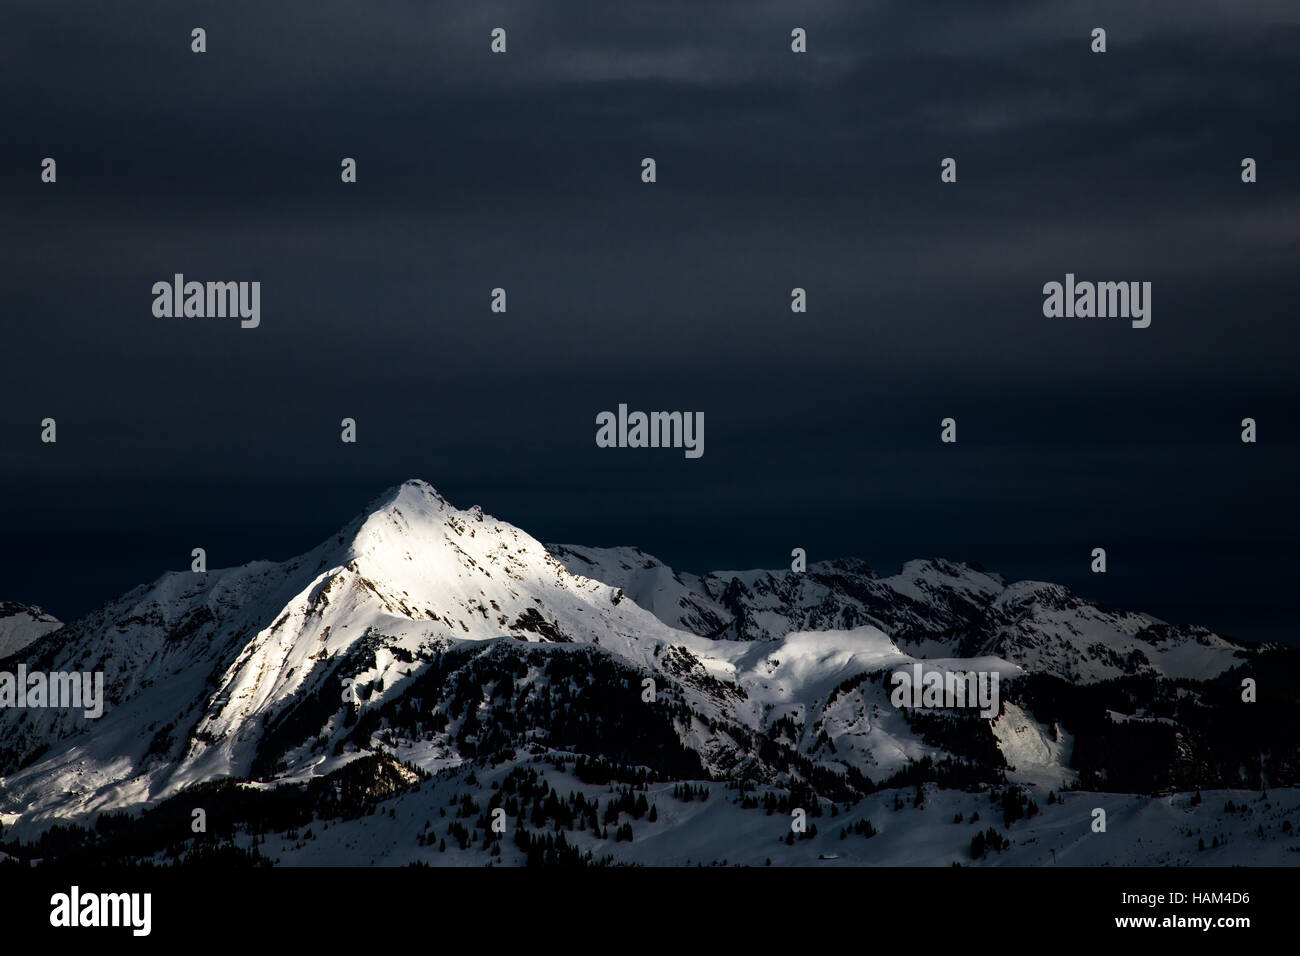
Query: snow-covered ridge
930, 608
267, 670
21, 625
199, 666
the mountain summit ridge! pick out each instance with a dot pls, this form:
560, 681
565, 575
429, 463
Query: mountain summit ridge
282, 671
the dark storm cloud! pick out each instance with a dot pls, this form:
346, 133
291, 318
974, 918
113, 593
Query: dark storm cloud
775, 171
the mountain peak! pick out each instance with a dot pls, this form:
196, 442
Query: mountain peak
411, 510
411, 491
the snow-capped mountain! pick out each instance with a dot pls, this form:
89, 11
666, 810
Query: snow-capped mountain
199, 665
931, 608
424, 639
22, 624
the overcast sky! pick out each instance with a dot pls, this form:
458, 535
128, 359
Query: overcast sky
775, 170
